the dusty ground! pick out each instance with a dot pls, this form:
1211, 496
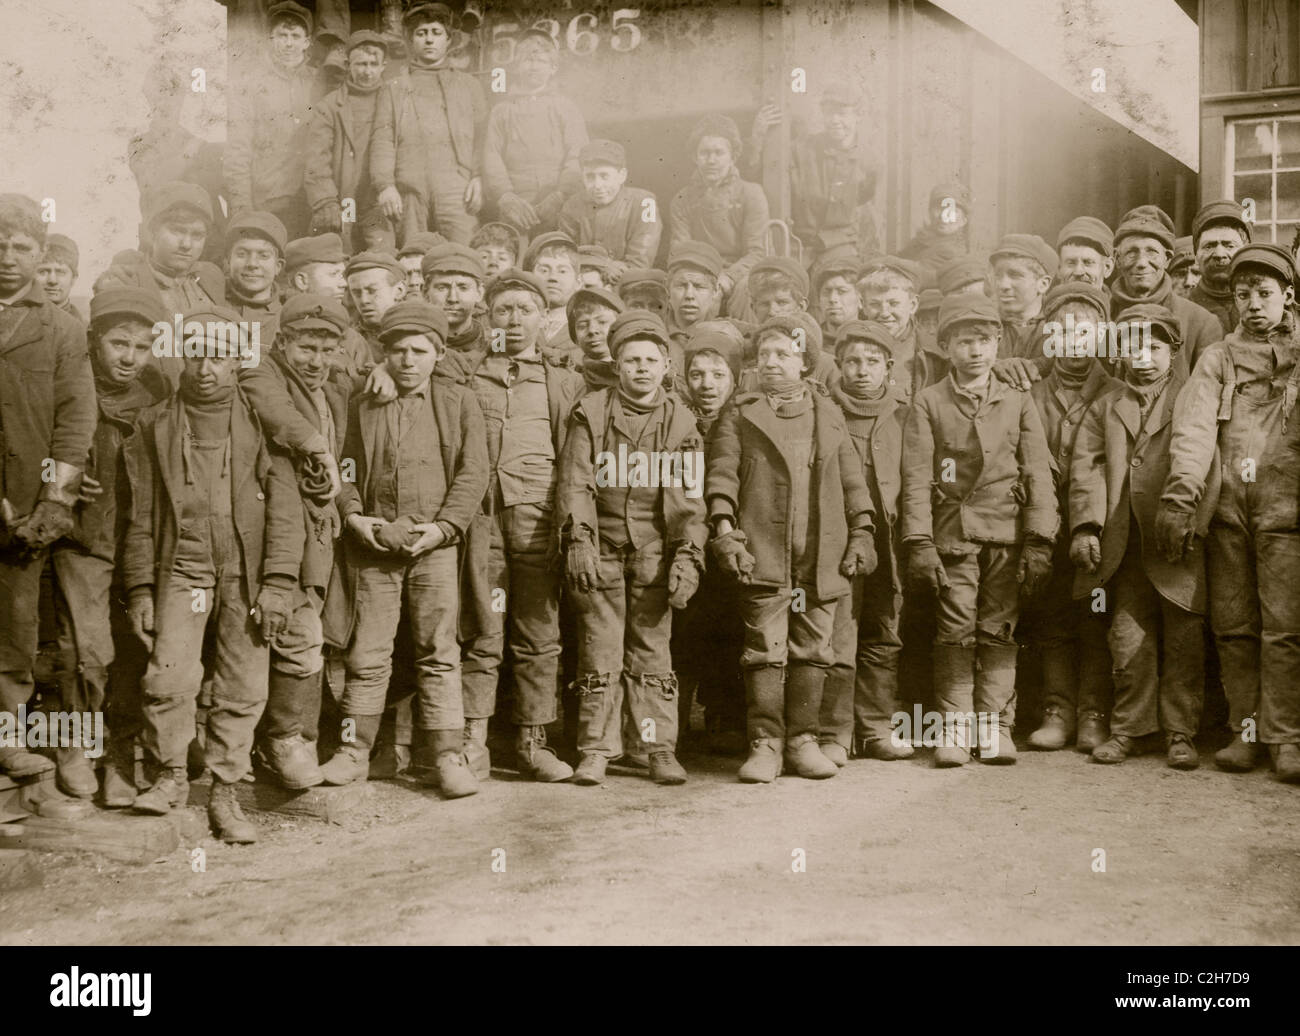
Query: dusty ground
895, 852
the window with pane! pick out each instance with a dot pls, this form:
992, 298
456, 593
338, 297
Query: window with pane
1263, 163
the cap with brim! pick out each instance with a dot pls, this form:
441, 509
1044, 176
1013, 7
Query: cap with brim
594, 257
452, 258
60, 248
963, 270
367, 38
1075, 291
1026, 246
643, 277
421, 244
1145, 226
585, 294
603, 152
178, 195
784, 265
291, 10
1158, 318
127, 302
965, 308
440, 13
1089, 230
865, 331
632, 324
319, 312
323, 248
515, 279
374, 261
549, 240
929, 300
789, 324
257, 224
1154, 212
1224, 212
909, 269
697, 254
412, 317
712, 339
840, 261
1273, 258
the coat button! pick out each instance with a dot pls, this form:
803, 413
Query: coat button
261, 496
1137, 462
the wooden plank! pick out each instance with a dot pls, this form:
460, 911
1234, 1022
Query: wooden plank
124, 837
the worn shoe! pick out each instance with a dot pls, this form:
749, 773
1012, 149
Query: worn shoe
763, 765
1180, 753
1119, 748
170, 790
75, 773
1053, 733
227, 819
835, 752
19, 763
348, 764
1239, 756
804, 756
477, 755
388, 762
291, 761
536, 760
883, 748
1002, 752
591, 770
665, 769
454, 777
1093, 730
1286, 763
119, 790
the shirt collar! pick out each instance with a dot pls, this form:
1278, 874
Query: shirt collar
33, 296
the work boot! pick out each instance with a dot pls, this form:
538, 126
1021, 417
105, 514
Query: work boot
170, 790
591, 770
536, 760
764, 763
1286, 762
351, 760
1055, 732
227, 819
883, 748
1002, 752
1092, 730
476, 748
75, 773
1239, 756
804, 757
291, 761
451, 774
835, 752
119, 790
995, 702
664, 767
954, 691
1119, 748
19, 763
955, 750
1180, 753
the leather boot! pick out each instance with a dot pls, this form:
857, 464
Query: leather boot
227, 819
536, 760
75, 773
995, 701
765, 706
170, 790
764, 763
591, 770
954, 692
664, 767
882, 748
1061, 678
1180, 753
119, 774
19, 763
291, 761
351, 761
454, 777
1121, 746
1239, 756
476, 748
1056, 730
1092, 729
835, 752
804, 756
1286, 762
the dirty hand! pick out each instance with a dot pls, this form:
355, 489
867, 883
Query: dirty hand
1085, 551
390, 203
431, 538
1035, 567
730, 553
363, 527
380, 384
327, 218
90, 490
1175, 528
859, 556
513, 209
768, 116
1017, 372
274, 606
44, 525
925, 572
139, 612
582, 565
683, 581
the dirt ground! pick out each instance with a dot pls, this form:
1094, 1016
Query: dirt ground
895, 853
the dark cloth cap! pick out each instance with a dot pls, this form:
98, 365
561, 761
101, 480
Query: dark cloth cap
127, 302
966, 307
603, 152
929, 299
421, 244
789, 323
555, 237
958, 192
412, 316
440, 13
374, 261
1090, 230
1276, 259
636, 323
1184, 255
177, 194
323, 248
257, 224
909, 269
1145, 226
585, 294
1159, 318
367, 38
1225, 211
699, 254
1076, 291
61, 248
785, 266
453, 258
713, 339
840, 260
517, 279
961, 271
1154, 212
313, 311
865, 331
641, 276
292, 10
594, 257
1027, 246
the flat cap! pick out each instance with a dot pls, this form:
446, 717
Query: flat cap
958, 192
1276, 259
966, 307
177, 194
786, 267
517, 280
1184, 255
367, 38
643, 277
865, 331
1089, 230
439, 13
323, 248
1076, 291
1154, 212
594, 257
964, 270
1145, 226
374, 261
789, 324
452, 258
413, 317
905, 267
257, 224
550, 240
421, 244
928, 300
1160, 319
698, 254
585, 294
636, 323
289, 9
127, 302
714, 339
1216, 212
1027, 246
61, 248
603, 152
214, 313
840, 261
313, 311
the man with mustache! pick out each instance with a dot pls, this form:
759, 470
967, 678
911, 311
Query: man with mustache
1218, 232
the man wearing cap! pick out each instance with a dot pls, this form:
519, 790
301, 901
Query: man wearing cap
337, 149
94, 638
832, 178
215, 544
302, 378
624, 219
268, 113
57, 272
634, 549
1241, 399
834, 288
426, 152
421, 472
376, 282
255, 244
1143, 247
1083, 249
48, 402
1218, 231
592, 311
514, 541
946, 236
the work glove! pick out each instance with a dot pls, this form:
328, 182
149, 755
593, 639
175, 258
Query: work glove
274, 606
732, 557
548, 208
139, 611
859, 555
925, 572
1035, 567
1175, 528
683, 581
327, 218
1085, 551
582, 566
513, 209
44, 525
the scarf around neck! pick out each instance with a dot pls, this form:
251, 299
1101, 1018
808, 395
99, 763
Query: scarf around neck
635, 407
863, 406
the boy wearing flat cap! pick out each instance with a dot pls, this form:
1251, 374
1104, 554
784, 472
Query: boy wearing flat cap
453, 281
978, 521
890, 290
315, 266
1240, 401
645, 288
554, 259
784, 481
592, 311
57, 272
1070, 636
834, 289
376, 283
634, 541
215, 542
500, 246
625, 220
1156, 605
255, 244
1218, 232
411, 255
946, 236
595, 267
513, 543
1183, 270
1021, 269
421, 470
861, 694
